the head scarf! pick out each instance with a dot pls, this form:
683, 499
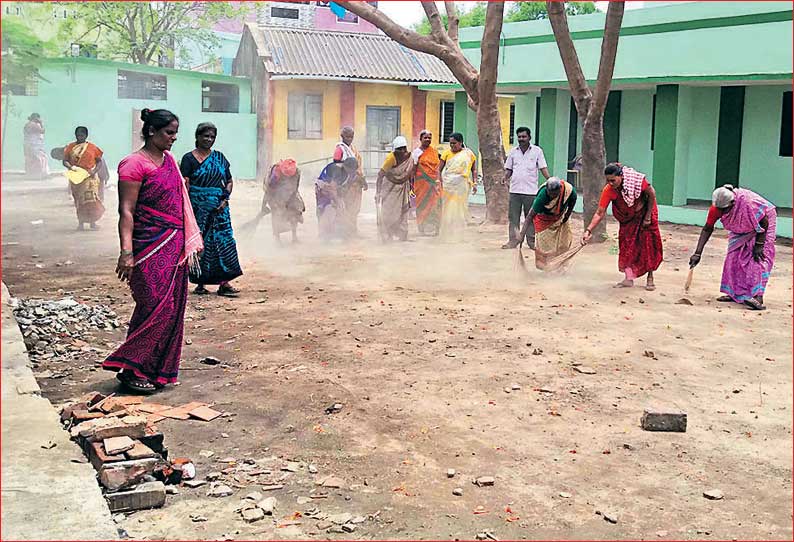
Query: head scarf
632, 185
398, 142
287, 167
723, 196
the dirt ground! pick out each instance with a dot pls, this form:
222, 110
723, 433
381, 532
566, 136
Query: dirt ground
419, 341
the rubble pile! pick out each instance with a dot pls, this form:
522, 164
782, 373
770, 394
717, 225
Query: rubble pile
119, 438
56, 328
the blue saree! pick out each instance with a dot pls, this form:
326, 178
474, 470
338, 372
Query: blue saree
208, 179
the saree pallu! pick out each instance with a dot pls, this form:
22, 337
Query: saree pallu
742, 277
219, 261
158, 281
428, 201
552, 238
639, 247
395, 202
456, 178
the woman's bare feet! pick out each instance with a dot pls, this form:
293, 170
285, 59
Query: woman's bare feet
625, 283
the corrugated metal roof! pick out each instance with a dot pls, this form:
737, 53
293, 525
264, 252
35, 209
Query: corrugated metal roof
318, 53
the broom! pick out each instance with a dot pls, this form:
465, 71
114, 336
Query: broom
689, 278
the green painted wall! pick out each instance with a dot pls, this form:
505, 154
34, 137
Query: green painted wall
465, 122
664, 163
525, 110
85, 92
635, 130
762, 169
684, 121
702, 151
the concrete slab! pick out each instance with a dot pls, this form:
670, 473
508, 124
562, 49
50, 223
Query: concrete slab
45, 495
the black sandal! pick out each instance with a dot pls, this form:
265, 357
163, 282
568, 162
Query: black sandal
725, 299
754, 304
136, 384
228, 291
201, 290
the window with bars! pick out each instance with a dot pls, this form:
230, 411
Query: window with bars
785, 126
142, 86
284, 13
304, 116
446, 121
512, 123
29, 87
219, 97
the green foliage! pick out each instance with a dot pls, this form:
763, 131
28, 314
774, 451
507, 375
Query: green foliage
518, 11
140, 32
535, 10
23, 52
473, 16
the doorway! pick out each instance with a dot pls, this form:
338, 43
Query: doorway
383, 125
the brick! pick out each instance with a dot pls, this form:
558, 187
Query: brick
204, 413
145, 496
181, 412
125, 474
92, 398
100, 429
81, 415
112, 404
140, 451
117, 445
663, 420
97, 456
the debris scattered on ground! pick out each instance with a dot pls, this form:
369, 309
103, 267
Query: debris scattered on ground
119, 437
713, 495
684, 301
565, 495
483, 481
458, 491
584, 370
55, 329
610, 517
450, 473
209, 360
335, 408
660, 420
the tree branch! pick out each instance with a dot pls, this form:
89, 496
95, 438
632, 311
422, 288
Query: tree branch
489, 47
448, 52
436, 25
609, 51
582, 96
453, 21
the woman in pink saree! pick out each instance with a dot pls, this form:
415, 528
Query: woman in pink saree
159, 238
751, 221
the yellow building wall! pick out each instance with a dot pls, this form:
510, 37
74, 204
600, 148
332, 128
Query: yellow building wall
305, 150
503, 105
374, 94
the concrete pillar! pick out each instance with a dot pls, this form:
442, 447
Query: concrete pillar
547, 136
665, 137
466, 121
347, 104
418, 114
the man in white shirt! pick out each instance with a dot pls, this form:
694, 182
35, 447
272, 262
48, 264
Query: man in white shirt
521, 171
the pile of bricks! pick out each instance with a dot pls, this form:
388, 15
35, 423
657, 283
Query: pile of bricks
122, 443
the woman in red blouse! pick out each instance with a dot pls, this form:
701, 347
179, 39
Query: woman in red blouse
634, 207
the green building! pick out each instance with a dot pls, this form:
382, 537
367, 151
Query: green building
701, 96
107, 98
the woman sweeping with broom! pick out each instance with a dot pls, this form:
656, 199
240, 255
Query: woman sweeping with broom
550, 214
633, 202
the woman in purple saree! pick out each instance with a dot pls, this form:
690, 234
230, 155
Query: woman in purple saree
751, 221
158, 235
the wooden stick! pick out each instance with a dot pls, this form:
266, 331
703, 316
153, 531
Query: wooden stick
689, 277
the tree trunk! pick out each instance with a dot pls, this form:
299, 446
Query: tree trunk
593, 163
492, 154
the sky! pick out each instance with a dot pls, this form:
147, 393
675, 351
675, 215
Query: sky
409, 13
